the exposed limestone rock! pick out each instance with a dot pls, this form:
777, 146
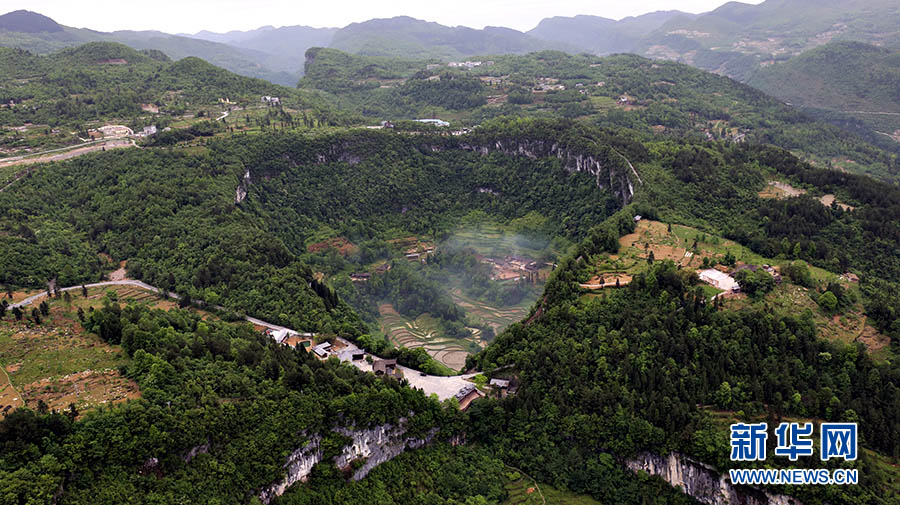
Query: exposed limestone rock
607, 175
243, 188
376, 445
702, 482
196, 451
299, 465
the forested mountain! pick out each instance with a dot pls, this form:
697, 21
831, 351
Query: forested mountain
101, 79
411, 38
601, 35
850, 83
291, 211
651, 98
736, 37
281, 49
28, 22
659, 350
39, 34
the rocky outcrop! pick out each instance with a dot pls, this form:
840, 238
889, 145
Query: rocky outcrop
298, 467
610, 169
196, 451
608, 175
702, 482
243, 188
374, 445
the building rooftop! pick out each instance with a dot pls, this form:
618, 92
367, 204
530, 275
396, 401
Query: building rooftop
500, 383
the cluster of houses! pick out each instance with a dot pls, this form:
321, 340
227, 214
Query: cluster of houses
121, 132
365, 276
469, 393
547, 84
415, 254
469, 64
513, 267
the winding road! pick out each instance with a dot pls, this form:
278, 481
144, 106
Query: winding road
443, 386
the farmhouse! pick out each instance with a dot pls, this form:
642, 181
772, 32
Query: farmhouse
435, 122
352, 355
360, 277
467, 395
278, 335
115, 131
323, 350
500, 383
720, 280
271, 100
386, 367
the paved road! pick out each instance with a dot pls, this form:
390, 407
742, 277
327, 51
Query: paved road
17, 158
444, 387
127, 282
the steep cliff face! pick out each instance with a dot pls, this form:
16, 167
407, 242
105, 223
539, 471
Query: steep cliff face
376, 446
373, 445
611, 170
702, 482
608, 175
298, 467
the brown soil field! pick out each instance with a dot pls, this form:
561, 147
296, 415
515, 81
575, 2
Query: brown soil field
343, 246
608, 281
9, 397
873, 340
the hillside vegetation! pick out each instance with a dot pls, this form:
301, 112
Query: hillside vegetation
852, 83
652, 99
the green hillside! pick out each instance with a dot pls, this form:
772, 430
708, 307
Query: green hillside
651, 98
848, 82
411, 38
42, 41
601, 35
653, 356
736, 37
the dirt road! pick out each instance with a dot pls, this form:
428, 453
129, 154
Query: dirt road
444, 387
67, 153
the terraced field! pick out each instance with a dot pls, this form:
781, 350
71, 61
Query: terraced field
423, 332
492, 240
498, 317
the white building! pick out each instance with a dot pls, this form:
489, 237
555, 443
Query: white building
436, 122
719, 280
